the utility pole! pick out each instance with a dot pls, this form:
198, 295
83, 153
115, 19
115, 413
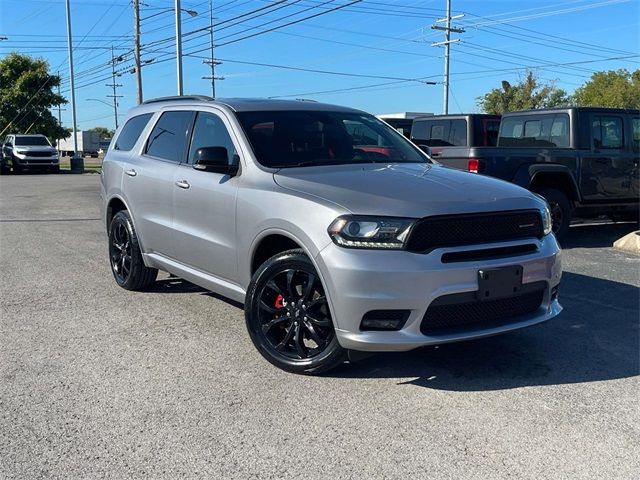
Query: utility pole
77, 163
60, 105
179, 47
447, 44
136, 47
114, 86
212, 61
59, 110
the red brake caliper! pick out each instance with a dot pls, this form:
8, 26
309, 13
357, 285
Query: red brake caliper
279, 300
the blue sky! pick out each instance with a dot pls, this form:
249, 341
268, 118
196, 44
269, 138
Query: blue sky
386, 42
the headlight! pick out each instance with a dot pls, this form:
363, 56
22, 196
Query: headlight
370, 232
547, 221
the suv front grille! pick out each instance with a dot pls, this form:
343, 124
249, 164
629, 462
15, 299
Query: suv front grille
445, 315
469, 229
40, 154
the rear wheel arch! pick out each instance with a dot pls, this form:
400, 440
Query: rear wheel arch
557, 180
114, 206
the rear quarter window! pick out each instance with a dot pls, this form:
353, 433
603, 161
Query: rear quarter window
131, 132
440, 133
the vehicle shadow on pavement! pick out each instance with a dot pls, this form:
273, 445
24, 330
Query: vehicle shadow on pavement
597, 235
594, 339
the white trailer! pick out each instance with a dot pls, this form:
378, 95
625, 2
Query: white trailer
402, 121
88, 144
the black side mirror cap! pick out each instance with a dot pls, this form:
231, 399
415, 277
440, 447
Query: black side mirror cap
216, 160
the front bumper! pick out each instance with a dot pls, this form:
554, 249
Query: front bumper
27, 161
359, 281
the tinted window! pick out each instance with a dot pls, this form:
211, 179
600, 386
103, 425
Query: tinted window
131, 131
32, 141
304, 138
168, 138
535, 131
606, 132
635, 125
440, 133
491, 128
210, 131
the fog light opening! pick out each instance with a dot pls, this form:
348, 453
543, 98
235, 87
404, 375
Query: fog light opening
384, 320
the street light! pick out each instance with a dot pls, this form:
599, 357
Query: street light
108, 105
101, 101
179, 42
191, 13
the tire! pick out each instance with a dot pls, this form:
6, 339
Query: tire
15, 167
292, 327
55, 169
561, 211
4, 168
125, 256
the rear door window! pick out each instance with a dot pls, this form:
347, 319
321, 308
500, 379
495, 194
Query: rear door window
168, 139
131, 132
607, 133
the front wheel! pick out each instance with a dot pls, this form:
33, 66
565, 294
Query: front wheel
125, 255
561, 211
288, 317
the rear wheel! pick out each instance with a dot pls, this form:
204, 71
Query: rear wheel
288, 317
561, 211
125, 255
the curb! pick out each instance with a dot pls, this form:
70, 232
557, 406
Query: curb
629, 243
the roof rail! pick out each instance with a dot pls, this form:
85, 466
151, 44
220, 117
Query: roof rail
179, 97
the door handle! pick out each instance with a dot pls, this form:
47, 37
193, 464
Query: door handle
131, 172
182, 184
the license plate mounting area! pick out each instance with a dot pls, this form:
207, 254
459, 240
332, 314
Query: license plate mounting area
499, 282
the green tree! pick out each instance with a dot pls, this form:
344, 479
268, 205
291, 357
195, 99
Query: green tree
26, 95
104, 132
527, 94
614, 88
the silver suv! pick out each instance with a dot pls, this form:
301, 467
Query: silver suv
33, 152
336, 232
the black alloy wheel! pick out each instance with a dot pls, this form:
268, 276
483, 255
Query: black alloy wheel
288, 315
120, 252
125, 256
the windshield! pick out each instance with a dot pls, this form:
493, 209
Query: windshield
32, 141
305, 138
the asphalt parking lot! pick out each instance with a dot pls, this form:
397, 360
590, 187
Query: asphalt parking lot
96, 381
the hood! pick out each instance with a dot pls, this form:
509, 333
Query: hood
406, 190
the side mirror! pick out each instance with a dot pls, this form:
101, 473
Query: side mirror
425, 148
215, 159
